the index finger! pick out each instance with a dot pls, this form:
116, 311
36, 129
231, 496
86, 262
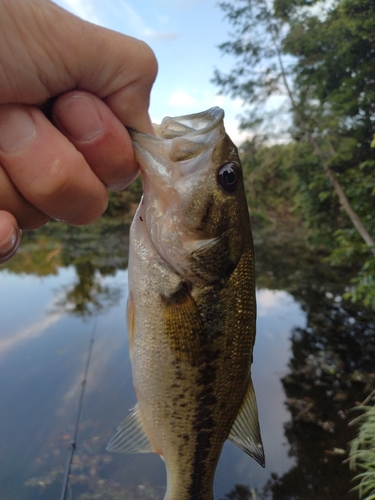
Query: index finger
131, 102
47, 169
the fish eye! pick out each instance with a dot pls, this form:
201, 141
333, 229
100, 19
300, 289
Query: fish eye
228, 176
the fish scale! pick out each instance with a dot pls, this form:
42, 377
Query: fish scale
191, 308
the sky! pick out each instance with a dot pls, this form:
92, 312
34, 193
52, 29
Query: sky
184, 34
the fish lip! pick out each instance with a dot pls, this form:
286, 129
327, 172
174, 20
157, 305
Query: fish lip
174, 127
189, 126
181, 146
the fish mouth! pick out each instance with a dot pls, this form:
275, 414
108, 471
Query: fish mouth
186, 125
173, 163
181, 145
190, 125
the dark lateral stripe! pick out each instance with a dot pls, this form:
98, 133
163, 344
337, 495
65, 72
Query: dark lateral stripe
203, 467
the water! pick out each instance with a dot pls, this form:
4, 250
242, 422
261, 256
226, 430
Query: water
77, 279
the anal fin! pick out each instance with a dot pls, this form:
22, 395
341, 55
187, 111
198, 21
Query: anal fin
130, 436
245, 432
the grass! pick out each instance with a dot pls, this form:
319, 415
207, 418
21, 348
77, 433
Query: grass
362, 450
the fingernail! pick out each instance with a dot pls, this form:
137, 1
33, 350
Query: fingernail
10, 246
79, 117
17, 128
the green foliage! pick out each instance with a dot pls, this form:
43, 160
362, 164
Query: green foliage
270, 181
120, 203
335, 51
362, 452
315, 201
364, 284
257, 76
320, 56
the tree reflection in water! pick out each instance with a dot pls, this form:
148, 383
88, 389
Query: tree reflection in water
95, 251
88, 296
331, 370
241, 492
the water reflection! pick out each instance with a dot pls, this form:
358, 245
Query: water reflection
331, 369
94, 252
87, 295
241, 492
313, 360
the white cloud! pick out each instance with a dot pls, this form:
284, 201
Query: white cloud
160, 36
81, 8
272, 300
122, 11
181, 99
137, 23
36, 329
238, 136
178, 5
186, 102
104, 348
162, 19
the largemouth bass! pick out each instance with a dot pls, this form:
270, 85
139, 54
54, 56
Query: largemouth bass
191, 307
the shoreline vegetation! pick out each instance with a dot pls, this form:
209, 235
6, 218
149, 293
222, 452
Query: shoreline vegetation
361, 453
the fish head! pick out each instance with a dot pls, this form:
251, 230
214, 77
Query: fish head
194, 204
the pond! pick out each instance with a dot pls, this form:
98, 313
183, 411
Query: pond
66, 290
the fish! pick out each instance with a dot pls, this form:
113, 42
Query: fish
191, 309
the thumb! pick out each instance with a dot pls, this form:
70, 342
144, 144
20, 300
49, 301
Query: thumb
124, 71
55, 51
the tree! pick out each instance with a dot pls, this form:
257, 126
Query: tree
320, 56
270, 181
336, 69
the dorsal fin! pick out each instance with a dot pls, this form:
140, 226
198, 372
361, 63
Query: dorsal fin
245, 432
130, 436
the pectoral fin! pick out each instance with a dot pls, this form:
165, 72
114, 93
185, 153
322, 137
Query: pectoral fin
245, 432
183, 325
130, 436
218, 259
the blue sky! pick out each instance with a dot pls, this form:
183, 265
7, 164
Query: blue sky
184, 35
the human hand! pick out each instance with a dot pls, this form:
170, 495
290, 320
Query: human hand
62, 167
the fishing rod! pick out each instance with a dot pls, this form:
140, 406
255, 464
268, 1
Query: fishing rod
73, 444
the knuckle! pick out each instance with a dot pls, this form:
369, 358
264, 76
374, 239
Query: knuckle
54, 183
149, 60
67, 194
